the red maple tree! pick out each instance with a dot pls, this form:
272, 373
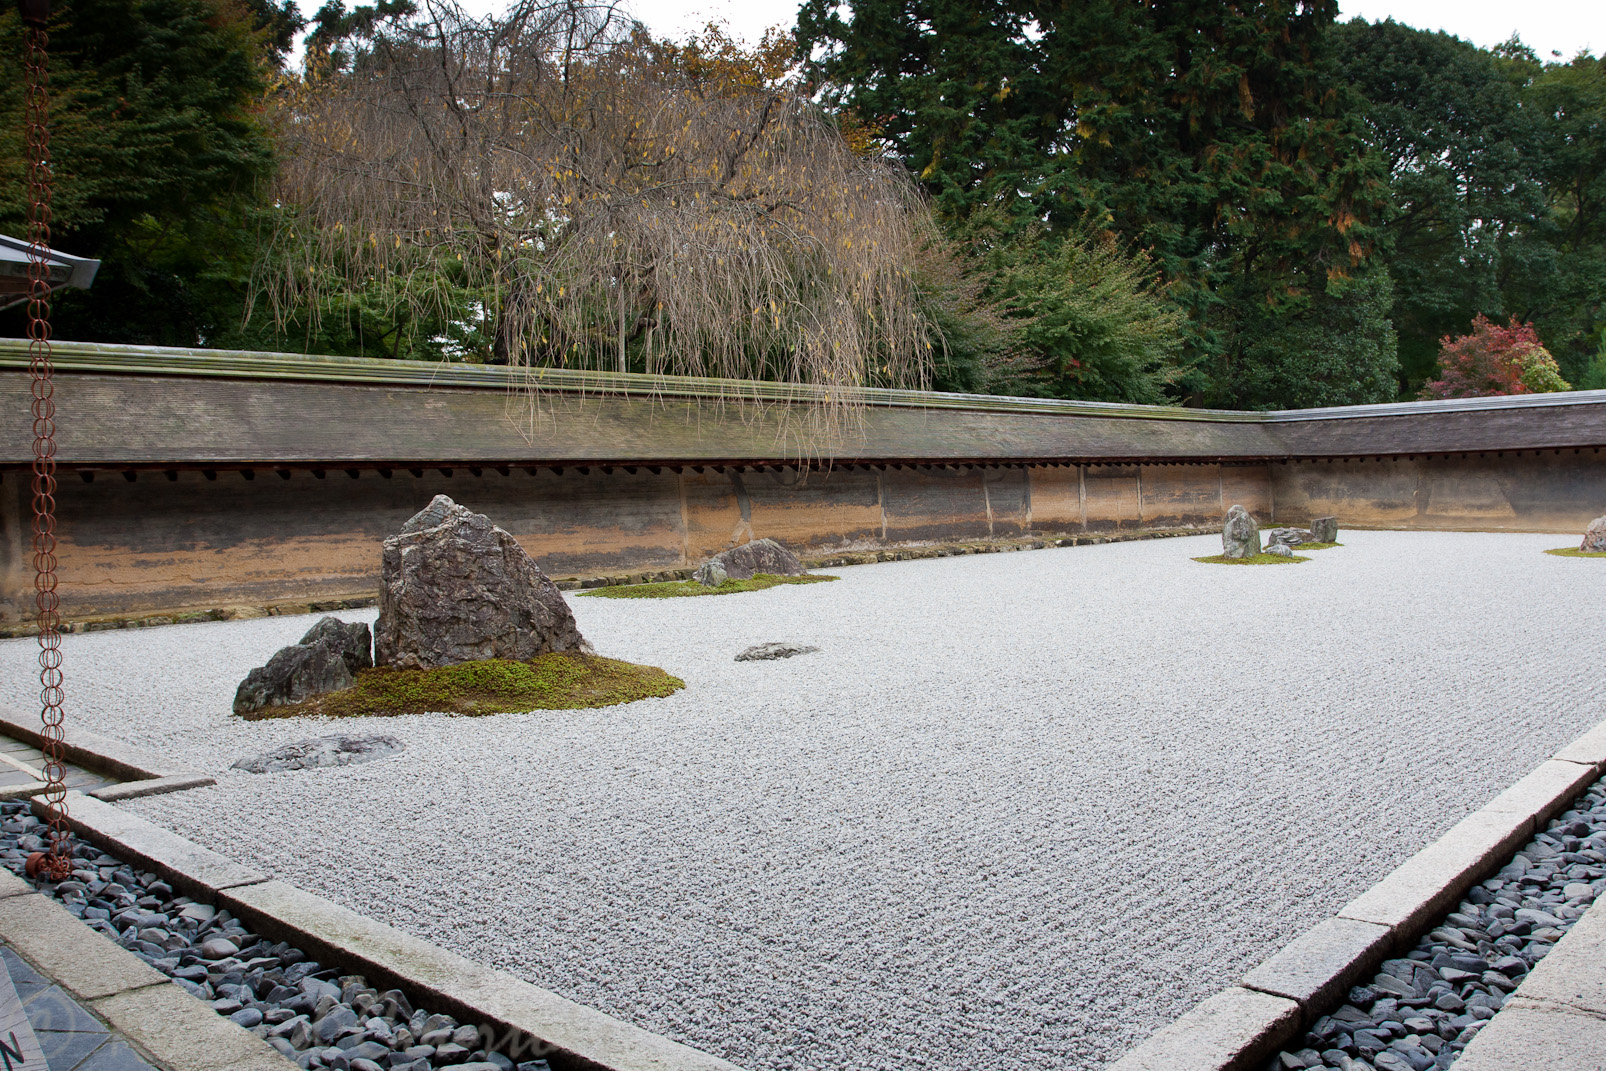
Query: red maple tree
1494, 360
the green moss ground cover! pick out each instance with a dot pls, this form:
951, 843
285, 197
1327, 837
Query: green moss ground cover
1317, 546
494, 686
1258, 559
1574, 552
681, 589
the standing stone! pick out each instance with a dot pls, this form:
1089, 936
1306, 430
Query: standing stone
1325, 530
456, 588
1595, 536
326, 660
749, 559
1240, 535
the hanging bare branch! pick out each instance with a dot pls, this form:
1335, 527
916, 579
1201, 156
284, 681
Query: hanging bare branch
619, 204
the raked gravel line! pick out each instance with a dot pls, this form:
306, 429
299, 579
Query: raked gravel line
1020, 811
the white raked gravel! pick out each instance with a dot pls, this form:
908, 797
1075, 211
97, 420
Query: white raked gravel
1019, 812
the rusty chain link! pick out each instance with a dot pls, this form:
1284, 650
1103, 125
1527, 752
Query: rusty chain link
56, 862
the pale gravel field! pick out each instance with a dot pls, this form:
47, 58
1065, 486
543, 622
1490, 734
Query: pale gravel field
1022, 810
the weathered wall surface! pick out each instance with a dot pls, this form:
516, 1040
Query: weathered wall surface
159, 543
1518, 491
200, 479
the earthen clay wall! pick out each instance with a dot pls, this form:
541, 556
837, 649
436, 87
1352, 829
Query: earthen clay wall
158, 544
203, 480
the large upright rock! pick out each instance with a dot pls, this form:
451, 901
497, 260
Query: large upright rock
456, 588
1324, 530
1595, 536
1240, 535
747, 560
326, 660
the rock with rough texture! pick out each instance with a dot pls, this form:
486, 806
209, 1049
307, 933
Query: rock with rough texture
749, 559
1281, 550
325, 660
1595, 536
1324, 530
352, 639
1240, 535
337, 750
1290, 537
765, 652
711, 574
455, 588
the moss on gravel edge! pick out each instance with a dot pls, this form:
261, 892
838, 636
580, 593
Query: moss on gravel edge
1574, 552
1316, 546
494, 686
1257, 559
682, 589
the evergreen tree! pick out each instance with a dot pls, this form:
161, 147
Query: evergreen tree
1217, 139
1462, 155
157, 150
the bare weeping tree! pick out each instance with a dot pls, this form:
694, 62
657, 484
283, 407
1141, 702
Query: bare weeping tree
621, 204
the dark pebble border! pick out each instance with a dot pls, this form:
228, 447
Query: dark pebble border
1419, 1012
313, 1014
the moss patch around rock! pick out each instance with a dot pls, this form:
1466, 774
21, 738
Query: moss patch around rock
1258, 559
1316, 546
494, 686
1574, 552
681, 589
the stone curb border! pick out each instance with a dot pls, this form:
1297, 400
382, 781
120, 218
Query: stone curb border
1243, 1025
173, 1028
143, 772
528, 1019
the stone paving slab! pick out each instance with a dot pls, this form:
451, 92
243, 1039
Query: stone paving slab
449, 982
186, 1035
1319, 966
78, 958
1573, 974
1537, 1038
1434, 879
97, 1007
1231, 1031
150, 847
71, 1038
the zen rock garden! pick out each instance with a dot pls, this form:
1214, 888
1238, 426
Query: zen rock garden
468, 622
984, 753
1240, 539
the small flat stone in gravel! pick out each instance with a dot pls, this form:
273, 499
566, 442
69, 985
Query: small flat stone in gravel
766, 652
321, 751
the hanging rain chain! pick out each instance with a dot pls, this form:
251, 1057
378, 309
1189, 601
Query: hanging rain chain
55, 863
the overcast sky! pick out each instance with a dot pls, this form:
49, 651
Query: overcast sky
1564, 26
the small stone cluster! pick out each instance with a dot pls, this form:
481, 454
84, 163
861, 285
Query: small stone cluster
1240, 535
743, 562
1419, 1012
312, 1014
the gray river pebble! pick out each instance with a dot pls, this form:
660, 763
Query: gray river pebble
311, 1013
1420, 1011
